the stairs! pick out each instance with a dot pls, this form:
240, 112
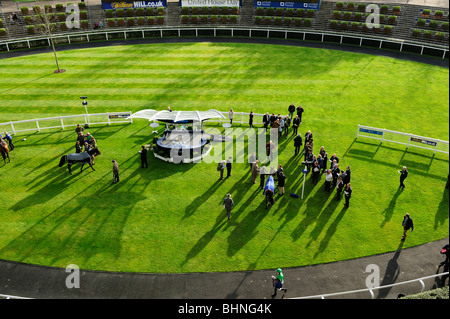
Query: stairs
321, 21
173, 13
246, 13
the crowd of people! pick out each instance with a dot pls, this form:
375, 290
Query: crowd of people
317, 163
86, 143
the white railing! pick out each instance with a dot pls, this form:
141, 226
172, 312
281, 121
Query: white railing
280, 33
371, 290
37, 124
384, 135
12, 297
239, 117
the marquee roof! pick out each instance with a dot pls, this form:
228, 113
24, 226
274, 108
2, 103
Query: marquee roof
177, 116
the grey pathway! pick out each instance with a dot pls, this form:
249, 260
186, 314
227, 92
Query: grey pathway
24, 280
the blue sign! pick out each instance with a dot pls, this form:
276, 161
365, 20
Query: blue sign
419, 140
288, 4
133, 4
365, 130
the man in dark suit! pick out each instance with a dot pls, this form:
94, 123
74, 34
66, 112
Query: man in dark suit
407, 225
300, 111
348, 194
339, 188
403, 175
228, 205
144, 161
295, 125
272, 119
308, 137
229, 161
347, 176
266, 121
335, 171
291, 110
297, 143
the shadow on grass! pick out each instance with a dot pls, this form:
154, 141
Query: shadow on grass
442, 212
330, 232
415, 165
95, 228
389, 211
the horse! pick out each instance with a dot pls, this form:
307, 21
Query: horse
269, 191
74, 158
4, 150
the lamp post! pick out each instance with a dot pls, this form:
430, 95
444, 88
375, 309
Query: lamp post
85, 108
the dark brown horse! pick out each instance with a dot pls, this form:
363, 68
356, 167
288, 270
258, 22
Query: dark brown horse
4, 150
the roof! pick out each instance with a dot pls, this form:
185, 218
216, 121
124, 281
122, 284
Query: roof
177, 116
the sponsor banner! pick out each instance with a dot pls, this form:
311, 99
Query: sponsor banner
210, 3
365, 130
133, 4
118, 116
286, 4
419, 140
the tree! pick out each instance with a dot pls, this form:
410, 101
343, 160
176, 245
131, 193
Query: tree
46, 25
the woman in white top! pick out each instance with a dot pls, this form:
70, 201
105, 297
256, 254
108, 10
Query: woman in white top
231, 116
328, 178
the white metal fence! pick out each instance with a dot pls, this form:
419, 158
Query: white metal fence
234, 32
407, 139
371, 290
66, 121
102, 118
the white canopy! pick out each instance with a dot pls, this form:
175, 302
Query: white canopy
177, 116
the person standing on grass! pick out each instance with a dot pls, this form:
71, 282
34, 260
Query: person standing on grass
250, 119
339, 188
403, 175
287, 123
295, 125
78, 147
255, 171
348, 194
291, 110
228, 165
266, 120
315, 172
300, 111
231, 116
252, 159
228, 204
115, 172
328, 178
262, 177
347, 175
79, 129
144, 161
407, 225
297, 143
281, 182
220, 168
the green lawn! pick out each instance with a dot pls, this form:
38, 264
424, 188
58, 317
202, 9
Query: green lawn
169, 218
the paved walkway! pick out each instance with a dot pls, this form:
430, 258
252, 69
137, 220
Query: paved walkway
19, 279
